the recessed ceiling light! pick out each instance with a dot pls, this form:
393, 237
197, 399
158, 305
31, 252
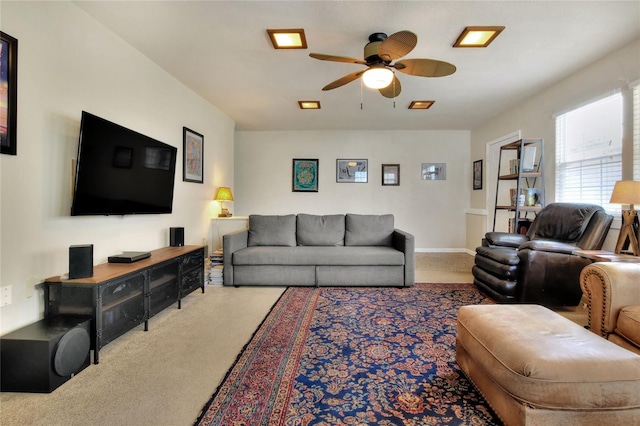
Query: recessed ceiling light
477, 36
421, 104
309, 104
288, 39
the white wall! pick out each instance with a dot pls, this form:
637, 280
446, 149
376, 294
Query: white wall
68, 63
431, 210
534, 116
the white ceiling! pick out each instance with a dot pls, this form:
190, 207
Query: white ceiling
221, 50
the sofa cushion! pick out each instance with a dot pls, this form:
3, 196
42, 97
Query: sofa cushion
368, 230
563, 221
503, 255
318, 255
628, 325
314, 230
272, 230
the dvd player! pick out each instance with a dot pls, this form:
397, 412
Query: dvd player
129, 257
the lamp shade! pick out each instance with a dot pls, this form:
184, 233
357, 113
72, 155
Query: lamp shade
377, 78
224, 194
626, 192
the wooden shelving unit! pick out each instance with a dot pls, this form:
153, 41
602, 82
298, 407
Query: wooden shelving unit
520, 167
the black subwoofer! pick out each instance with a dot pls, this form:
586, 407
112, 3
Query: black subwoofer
42, 356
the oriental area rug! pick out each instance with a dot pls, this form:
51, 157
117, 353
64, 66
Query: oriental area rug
354, 356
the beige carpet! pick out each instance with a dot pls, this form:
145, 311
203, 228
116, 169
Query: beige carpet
165, 376
444, 268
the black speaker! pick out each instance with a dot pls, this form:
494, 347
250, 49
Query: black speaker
176, 237
81, 261
42, 356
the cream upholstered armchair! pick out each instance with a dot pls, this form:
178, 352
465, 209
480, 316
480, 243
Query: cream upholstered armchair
612, 292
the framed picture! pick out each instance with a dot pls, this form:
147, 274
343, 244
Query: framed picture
352, 171
391, 174
477, 174
305, 175
193, 153
8, 93
434, 171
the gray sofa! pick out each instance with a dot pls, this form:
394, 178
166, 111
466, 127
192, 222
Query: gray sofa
313, 250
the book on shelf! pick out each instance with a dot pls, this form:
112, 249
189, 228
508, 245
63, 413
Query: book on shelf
513, 166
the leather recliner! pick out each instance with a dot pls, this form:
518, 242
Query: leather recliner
539, 267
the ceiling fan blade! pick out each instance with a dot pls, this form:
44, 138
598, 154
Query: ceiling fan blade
397, 45
425, 67
392, 90
334, 58
343, 80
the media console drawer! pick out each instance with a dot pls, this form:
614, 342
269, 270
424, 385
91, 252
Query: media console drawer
121, 296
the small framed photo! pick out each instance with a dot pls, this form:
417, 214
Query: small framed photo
434, 171
391, 174
477, 174
352, 171
8, 93
305, 175
193, 153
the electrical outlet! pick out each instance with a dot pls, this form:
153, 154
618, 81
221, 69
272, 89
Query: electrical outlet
5, 296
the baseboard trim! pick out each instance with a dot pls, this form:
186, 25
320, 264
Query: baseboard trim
445, 250
476, 212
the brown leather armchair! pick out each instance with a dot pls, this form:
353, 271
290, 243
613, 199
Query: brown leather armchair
539, 267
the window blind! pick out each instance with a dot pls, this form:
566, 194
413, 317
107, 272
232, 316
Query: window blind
636, 131
589, 152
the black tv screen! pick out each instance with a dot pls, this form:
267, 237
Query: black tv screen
120, 171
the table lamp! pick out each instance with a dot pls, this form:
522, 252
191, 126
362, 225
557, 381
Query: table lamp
627, 192
224, 194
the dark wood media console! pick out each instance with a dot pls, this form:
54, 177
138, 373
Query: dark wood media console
120, 296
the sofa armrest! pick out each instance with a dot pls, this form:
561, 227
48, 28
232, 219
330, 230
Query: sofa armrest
550, 246
505, 239
608, 287
231, 243
405, 242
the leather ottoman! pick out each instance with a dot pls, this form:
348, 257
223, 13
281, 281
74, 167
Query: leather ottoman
536, 367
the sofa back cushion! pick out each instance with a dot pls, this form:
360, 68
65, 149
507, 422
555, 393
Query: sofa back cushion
368, 230
272, 230
314, 230
562, 221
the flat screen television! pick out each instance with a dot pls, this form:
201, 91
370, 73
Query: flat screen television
120, 171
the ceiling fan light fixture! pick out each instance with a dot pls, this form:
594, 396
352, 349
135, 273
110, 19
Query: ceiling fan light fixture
421, 104
377, 78
477, 36
309, 104
288, 38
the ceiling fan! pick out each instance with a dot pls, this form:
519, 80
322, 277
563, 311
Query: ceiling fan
378, 55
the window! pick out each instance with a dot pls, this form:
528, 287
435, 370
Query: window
636, 131
589, 152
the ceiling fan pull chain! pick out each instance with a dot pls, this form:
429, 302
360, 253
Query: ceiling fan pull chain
361, 103
394, 90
